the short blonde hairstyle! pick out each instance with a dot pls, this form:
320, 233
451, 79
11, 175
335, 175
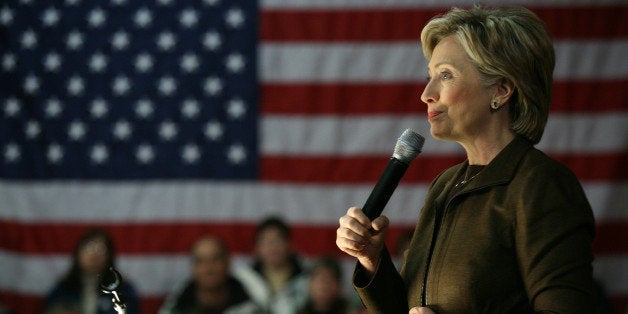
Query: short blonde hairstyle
505, 44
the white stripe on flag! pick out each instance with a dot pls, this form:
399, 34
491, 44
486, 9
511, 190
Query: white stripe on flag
36, 274
403, 61
223, 202
369, 135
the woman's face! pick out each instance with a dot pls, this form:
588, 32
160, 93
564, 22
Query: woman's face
458, 104
92, 257
273, 248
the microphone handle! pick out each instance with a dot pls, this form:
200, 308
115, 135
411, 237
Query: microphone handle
384, 188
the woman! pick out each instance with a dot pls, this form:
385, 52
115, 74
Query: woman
276, 279
507, 231
79, 290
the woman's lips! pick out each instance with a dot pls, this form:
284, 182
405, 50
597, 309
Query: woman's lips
433, 114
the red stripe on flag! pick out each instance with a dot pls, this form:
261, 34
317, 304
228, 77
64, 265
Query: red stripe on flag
176, 238
164, 238
20, 303
608, 238
593, 167
399, 98
581, 22
333, 169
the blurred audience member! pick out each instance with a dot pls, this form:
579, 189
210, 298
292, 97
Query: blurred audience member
211, 288
277, 279
325, 294
78, 291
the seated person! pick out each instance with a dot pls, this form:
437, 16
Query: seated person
325, 294
211, 289
277, 280
78, 291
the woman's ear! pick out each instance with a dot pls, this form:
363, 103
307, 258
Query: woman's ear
503, 92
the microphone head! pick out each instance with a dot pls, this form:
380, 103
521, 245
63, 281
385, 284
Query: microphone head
408, 146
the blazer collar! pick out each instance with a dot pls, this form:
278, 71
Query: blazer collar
499, 171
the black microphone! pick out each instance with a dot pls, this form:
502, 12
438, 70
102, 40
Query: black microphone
407, 148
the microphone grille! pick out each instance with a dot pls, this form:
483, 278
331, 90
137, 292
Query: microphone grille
408, 146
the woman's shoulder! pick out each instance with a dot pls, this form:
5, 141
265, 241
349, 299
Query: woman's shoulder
536, 164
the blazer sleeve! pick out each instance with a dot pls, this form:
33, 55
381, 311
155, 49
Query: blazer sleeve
384, 291
554, 230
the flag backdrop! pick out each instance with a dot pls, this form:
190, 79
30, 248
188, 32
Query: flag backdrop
164, 120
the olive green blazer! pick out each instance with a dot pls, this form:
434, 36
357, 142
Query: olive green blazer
516, 239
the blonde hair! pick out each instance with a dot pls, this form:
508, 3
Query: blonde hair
505, 44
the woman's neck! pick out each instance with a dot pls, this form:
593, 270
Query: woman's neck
482, 150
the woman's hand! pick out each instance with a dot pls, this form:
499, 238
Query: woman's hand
362, 238
421, 310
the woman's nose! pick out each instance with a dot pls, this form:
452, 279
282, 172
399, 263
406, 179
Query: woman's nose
430, 94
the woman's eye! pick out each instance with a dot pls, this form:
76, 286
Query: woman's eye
445, 75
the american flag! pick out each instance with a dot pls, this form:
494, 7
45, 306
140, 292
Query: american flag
165, 120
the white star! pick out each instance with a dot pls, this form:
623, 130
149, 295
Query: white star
190, 108
189, 62
52, 62
234, 17
50, 17
6, 16
11, 107
12, 153
213, 86
144, 108
74, 40
119, 2
145, 154
96, 18
122, 130
188, 18
76, 86
212, 40
99, 154
166, 40
211, 2
26, 2
168, 130
77, 130
98, 62
236, 154
72, 2
53, 108
167, 85
236, 108
235, 62
121, 85
32, 129
8, 62
164, 2
99, 108
31, 84
213, 130
143, 62
191, 153
55, 153
120, 40
29, 39
143, 18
